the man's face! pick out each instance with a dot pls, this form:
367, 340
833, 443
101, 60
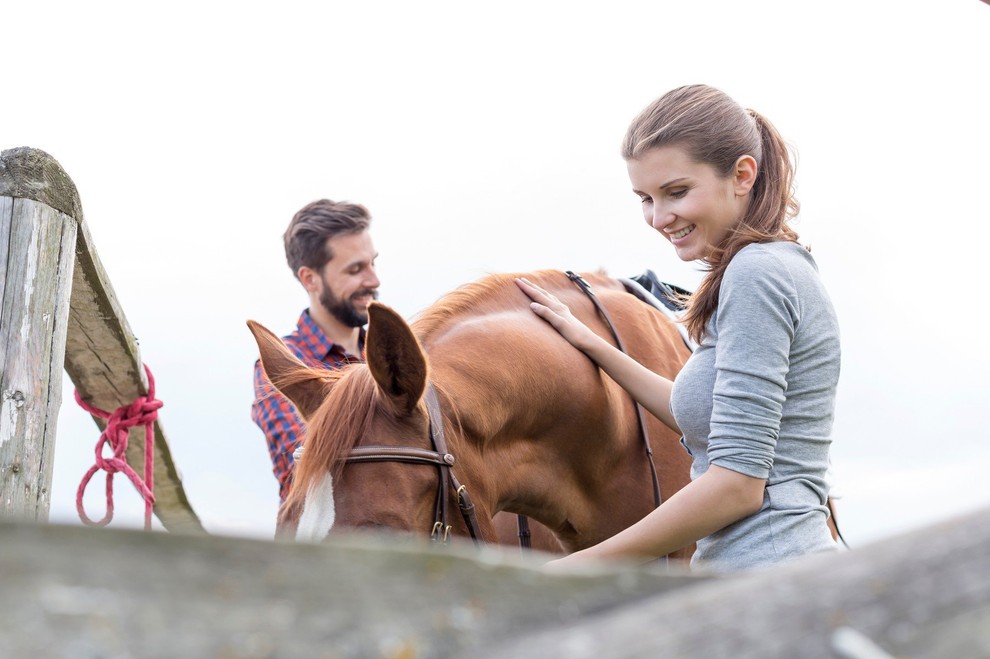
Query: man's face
349, 280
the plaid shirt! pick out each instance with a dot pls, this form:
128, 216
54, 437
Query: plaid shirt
273, 412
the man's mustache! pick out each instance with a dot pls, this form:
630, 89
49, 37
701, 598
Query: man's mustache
373, 292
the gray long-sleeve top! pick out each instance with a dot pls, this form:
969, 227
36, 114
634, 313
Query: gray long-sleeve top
758, 397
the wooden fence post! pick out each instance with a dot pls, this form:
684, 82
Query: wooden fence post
39, 213
59, 308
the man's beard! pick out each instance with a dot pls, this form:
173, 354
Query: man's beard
344, 310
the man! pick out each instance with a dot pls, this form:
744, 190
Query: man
329, 250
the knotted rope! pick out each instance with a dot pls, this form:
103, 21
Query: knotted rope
142, 412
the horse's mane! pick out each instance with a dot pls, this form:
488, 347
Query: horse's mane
492, 292
339, 422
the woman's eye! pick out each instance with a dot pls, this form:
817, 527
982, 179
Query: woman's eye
679, 193
644, 200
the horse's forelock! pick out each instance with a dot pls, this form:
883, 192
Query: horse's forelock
339, 423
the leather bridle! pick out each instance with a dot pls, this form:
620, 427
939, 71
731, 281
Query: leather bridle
440, 457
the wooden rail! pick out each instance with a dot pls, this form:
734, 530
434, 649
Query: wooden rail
73, 591
58, 307
925, 593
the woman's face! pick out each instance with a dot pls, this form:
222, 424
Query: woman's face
688, 202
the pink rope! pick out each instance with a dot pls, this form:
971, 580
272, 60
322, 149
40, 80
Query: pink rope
142, 412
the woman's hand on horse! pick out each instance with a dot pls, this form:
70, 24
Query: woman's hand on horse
549, 308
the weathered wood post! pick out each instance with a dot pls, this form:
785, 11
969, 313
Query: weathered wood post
59, 307
39, 213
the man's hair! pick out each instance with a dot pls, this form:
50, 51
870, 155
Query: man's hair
310, 228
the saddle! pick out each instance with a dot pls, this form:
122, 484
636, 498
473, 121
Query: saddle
660, 295
666, 294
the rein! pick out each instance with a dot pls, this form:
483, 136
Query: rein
586, 289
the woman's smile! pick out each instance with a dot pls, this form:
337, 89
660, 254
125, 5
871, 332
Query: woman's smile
677, 235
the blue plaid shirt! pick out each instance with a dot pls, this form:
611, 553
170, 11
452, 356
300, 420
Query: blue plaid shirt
274, 414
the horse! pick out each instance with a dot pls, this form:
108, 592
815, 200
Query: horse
531, 425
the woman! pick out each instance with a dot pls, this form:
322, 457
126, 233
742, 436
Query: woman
756, 400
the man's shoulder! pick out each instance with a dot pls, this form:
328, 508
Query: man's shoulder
305, 334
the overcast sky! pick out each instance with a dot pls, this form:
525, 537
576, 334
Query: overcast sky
485, 140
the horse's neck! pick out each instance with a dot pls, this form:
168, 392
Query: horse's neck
507, 373
529, 410
545, 433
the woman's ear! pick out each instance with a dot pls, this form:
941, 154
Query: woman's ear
744, 175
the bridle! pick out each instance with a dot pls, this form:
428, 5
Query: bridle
440, 457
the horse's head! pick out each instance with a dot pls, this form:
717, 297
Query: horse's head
377, 404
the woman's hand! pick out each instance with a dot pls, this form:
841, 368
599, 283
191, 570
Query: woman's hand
650, 390
549, 308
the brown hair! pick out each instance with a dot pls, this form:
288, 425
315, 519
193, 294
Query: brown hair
310, 228
715, 130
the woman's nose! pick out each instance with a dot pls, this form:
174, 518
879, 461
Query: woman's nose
660, 218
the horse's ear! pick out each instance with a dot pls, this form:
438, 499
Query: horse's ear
395, 358
306, 387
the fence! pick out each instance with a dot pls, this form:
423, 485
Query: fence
58, 307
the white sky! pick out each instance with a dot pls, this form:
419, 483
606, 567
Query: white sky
487, 140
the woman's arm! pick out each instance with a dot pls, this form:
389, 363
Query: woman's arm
650, 390
709, 503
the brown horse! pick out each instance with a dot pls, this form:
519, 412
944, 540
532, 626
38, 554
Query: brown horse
535, 427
